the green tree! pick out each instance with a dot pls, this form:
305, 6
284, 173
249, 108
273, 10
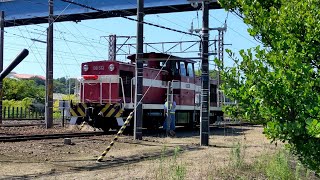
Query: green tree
61, 85
15, 89
279, 84
212, 73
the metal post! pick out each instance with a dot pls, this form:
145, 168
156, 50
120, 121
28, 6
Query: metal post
204, 119
49, 69
139, 72
1, 58
169, 106
63, 114
220, 57
112, 47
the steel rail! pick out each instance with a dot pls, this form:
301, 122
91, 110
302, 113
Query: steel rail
17, 138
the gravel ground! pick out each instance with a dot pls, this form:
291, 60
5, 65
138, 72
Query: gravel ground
128, 159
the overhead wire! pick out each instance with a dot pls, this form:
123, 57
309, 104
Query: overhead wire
57, 51
235, 31
86, 39
135, 5
43, 33
32, 51
83, 46
70, 50
129, 18
75, 42
65, 58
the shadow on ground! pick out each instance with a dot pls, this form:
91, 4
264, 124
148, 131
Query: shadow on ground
216, 130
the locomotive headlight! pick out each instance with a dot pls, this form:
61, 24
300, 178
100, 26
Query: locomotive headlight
111, 67
85, 67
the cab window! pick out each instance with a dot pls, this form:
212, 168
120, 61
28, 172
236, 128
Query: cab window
183, 71
190, 70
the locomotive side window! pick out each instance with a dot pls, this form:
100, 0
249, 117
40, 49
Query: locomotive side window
174, 68
126, 78
163, 64
213, 93
190, 70
183, 71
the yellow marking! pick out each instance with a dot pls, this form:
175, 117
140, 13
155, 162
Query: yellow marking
73, 113
110, 112
116, 137
84, 105
105, 108
82, 125
80, 111
119, 113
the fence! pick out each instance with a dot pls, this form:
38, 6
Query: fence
16, 113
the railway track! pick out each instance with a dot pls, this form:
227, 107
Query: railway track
17, 138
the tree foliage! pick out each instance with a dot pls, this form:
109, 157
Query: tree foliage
279, 85
64, 85
213, 74
15, 89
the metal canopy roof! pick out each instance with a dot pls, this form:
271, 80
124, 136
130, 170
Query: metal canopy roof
24, 12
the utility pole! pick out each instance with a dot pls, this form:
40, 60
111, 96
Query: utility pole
139, 73
204, 119
49, 69
112, 47
1, 58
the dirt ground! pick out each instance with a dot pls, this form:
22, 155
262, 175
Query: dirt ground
129, 159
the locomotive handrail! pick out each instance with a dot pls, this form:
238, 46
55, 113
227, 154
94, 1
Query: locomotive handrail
175, 81
222, 100
82, 82
131, 89
110, 91
100, 91
123, 95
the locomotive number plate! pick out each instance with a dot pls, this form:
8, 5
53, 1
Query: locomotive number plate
98, 68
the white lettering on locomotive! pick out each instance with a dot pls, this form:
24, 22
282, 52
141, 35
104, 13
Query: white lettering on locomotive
98, 68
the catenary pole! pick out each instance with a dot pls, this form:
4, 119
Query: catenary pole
204, 119
49, 70
139, 73
1, 58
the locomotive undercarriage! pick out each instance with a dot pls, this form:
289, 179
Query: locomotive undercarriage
112, 116
102, 116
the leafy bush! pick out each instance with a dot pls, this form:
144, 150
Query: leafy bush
279, 85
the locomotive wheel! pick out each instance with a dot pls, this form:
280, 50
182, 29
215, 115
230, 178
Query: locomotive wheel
105, 129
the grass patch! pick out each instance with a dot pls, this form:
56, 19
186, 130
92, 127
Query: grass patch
280, 166
237, 155
170, 167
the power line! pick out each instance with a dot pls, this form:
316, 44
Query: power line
76, 42
131, 19
71, 51
235, 30
60, 52
77, 37
86, 39
83, 46
135, 5
32, 51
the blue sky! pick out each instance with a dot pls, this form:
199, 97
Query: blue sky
75, 43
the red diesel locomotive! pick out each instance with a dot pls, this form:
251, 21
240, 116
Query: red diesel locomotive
107, 92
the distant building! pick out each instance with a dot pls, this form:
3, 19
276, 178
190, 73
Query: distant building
57, 97
25, 76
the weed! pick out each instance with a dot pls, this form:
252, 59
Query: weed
170, 168
237, 155
278, 166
